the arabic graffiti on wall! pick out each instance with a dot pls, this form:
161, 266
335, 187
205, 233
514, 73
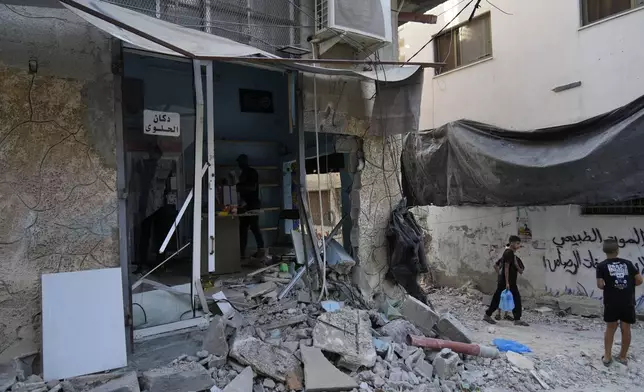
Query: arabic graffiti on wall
161, 123
570, 261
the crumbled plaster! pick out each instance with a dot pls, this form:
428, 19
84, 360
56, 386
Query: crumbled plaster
57, 159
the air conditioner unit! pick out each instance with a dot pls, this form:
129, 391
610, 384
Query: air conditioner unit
365, 24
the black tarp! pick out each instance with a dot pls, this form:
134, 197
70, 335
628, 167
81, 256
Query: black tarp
598, 160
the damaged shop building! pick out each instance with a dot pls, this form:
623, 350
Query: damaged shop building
119, 128
547, 151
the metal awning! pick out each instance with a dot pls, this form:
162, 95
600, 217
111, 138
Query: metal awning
158, 36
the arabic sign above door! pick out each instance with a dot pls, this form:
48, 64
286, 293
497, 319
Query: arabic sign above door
161, 123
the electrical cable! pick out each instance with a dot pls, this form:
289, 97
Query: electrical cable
505, 12
145, 315
440, 31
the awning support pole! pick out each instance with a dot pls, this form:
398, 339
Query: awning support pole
210, 136
196, 229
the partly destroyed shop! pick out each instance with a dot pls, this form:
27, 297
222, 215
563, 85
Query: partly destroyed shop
186, 105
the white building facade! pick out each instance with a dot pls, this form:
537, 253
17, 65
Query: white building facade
521, 66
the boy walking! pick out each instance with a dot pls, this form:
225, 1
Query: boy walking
618, 278
508, 281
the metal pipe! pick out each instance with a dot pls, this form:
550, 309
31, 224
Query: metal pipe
458, 347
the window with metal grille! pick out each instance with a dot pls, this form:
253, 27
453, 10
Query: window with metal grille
629, 207
595, 10
464, 44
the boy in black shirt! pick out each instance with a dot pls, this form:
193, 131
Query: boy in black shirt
618, 278
508, 280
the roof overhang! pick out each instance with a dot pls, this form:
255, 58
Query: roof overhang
418, 7
158, 36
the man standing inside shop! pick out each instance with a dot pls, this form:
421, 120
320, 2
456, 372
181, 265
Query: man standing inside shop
248, 188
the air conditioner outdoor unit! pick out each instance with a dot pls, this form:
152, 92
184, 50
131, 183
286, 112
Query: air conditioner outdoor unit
365, 24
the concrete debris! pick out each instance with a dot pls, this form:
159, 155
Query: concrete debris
399, 329
242, 383
519, 361
269, 383
304, 297
202, 354
425, 369
184, 376
580, 306
215, 341
215, 362
265, 359
419, 314
7, 376
321, 375
543, 310
128, 382
346, 332
286, 322
260, 289
446, 364
449, 327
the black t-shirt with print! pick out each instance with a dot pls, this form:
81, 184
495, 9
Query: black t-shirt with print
619, 277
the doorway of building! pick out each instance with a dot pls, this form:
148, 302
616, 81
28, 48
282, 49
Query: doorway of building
158, 135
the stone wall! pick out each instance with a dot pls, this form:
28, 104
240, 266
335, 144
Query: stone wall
57, 159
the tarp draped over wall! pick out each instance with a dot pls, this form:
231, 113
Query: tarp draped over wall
468, 163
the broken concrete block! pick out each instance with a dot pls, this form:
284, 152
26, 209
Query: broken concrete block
419, 314
304, 297
398, 330
242, 383
187, 376
7, 376
446, 364
291, 346
346, 332
449, 327
214, 341
285, 323
321, 375
424, 369
269, 383
260, 289
580, 306
265, 358
127, 382
215, 361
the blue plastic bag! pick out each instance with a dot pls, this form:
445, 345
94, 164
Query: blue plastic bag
510, 345
507, 301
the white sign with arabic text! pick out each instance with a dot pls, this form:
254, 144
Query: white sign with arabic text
161, 123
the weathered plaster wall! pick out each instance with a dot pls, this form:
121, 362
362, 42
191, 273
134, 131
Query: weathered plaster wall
560, 258
377, 192
57, 159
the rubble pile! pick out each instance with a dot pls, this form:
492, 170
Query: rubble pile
260, 343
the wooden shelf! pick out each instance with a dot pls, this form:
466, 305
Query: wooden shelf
269, 228
269, 185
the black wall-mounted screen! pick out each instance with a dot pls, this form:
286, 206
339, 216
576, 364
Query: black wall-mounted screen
255, 101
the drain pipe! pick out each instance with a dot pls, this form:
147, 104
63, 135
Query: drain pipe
458, 347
